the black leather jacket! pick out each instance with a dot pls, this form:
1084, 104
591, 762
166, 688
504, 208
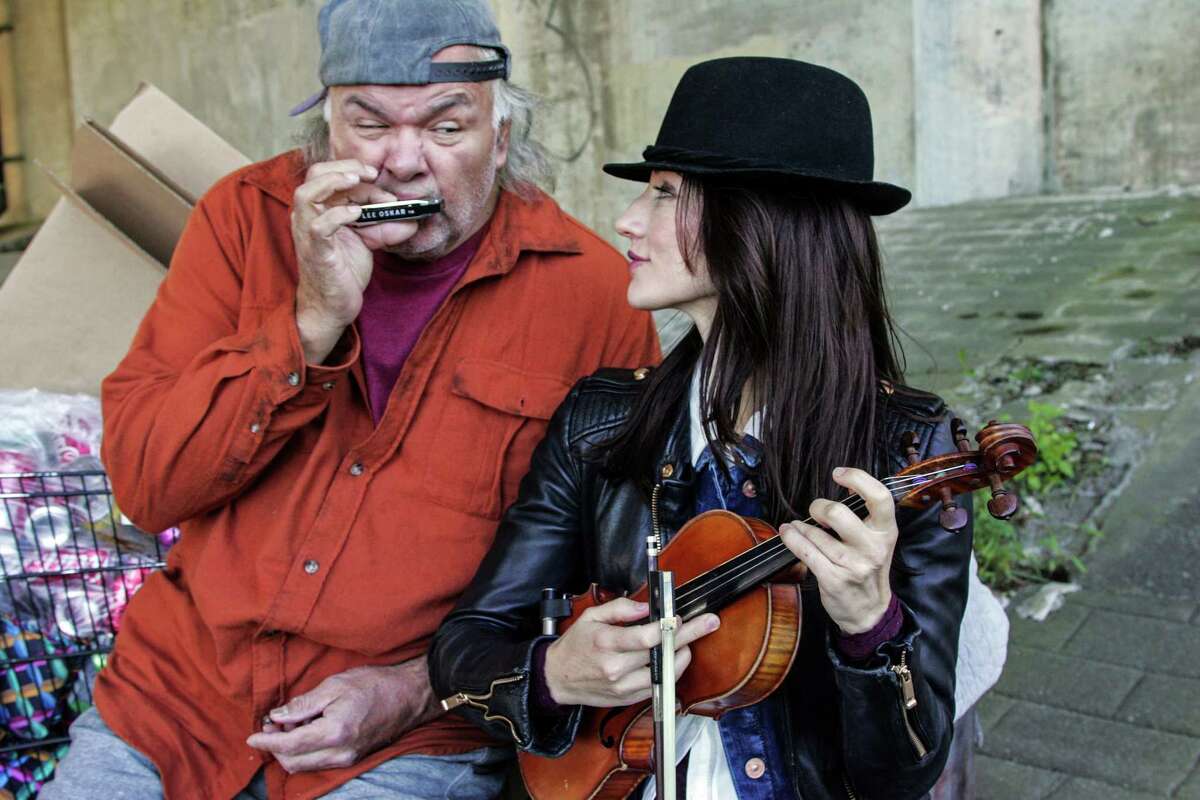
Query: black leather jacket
847, 730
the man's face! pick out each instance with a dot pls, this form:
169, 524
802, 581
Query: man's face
426, 141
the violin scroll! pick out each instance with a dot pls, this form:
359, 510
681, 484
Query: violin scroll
1004, 450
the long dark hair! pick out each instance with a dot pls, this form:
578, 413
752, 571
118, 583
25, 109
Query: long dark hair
802, 324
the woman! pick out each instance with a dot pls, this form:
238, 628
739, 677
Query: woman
755, 222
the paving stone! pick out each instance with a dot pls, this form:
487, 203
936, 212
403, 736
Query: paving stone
1164, 704
1190, 790
997, 779
1077, 684
1154, 645
1083, 789
1146, 605
1076, 744
1051, 634
992, 707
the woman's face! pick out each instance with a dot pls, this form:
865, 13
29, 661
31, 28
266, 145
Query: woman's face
658, 276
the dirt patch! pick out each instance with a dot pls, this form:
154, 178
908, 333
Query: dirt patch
1180, 347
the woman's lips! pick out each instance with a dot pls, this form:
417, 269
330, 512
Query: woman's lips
635, 260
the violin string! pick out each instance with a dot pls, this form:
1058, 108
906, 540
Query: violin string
765, 551
774, 546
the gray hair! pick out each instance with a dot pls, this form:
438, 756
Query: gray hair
527, 166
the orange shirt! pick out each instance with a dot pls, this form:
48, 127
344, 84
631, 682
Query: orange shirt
314, 541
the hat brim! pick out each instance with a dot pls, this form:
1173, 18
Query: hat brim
875, 197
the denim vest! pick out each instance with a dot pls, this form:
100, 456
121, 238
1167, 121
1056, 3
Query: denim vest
748, 733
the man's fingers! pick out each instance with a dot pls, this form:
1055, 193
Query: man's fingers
386, 234
329, 758
322, 188
304, 739
305, 706
327, 223
348, 165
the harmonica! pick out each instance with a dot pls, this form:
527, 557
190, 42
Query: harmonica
397, 211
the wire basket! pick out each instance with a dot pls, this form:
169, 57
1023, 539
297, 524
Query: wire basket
69, 563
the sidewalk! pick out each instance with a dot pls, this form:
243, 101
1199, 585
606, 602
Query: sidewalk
1102, 700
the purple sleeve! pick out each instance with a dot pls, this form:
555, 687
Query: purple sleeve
543, 704
860, 646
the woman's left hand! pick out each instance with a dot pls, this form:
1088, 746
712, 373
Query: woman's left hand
852, 573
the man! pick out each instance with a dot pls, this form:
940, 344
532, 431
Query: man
336, 416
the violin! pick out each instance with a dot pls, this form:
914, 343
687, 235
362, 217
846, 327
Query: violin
740, 566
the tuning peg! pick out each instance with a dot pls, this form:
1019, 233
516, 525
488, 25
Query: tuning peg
958, 429
911, 445
953, 517
1003, 503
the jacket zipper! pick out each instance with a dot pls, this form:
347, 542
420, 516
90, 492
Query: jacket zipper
908, 702
479, 701
654, 528
850, 795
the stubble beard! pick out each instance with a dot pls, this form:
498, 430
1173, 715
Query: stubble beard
441, 233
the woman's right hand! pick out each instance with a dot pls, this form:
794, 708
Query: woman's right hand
601, 662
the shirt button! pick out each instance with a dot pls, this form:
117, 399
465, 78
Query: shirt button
327, 385
254, 427
293, 379
356, 468
755, 768
311, 566
749, 489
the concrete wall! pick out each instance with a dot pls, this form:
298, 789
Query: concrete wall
978, 99
971, 98
1123, 93
42, 89
238, 65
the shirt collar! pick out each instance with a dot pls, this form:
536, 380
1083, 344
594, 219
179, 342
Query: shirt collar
752, 430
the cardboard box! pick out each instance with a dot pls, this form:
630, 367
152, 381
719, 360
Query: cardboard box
72, 303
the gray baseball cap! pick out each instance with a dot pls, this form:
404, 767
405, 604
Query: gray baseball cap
393, 42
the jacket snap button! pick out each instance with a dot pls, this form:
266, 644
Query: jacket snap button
356, 469
640, 374
311, 566
749, 489
293, 378
668, 470
327, 385
755, 768
255, 427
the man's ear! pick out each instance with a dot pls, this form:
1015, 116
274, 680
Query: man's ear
502, 135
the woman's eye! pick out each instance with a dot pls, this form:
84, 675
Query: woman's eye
664, 190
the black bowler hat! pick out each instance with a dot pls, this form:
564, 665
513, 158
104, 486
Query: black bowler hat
771, 118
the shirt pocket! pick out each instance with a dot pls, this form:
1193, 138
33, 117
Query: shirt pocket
495, 414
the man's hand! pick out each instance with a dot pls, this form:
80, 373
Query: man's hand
334, 261
348, 716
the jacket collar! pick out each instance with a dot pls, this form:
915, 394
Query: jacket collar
517, 225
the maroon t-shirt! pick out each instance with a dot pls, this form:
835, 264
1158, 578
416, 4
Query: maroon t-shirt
397, 305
